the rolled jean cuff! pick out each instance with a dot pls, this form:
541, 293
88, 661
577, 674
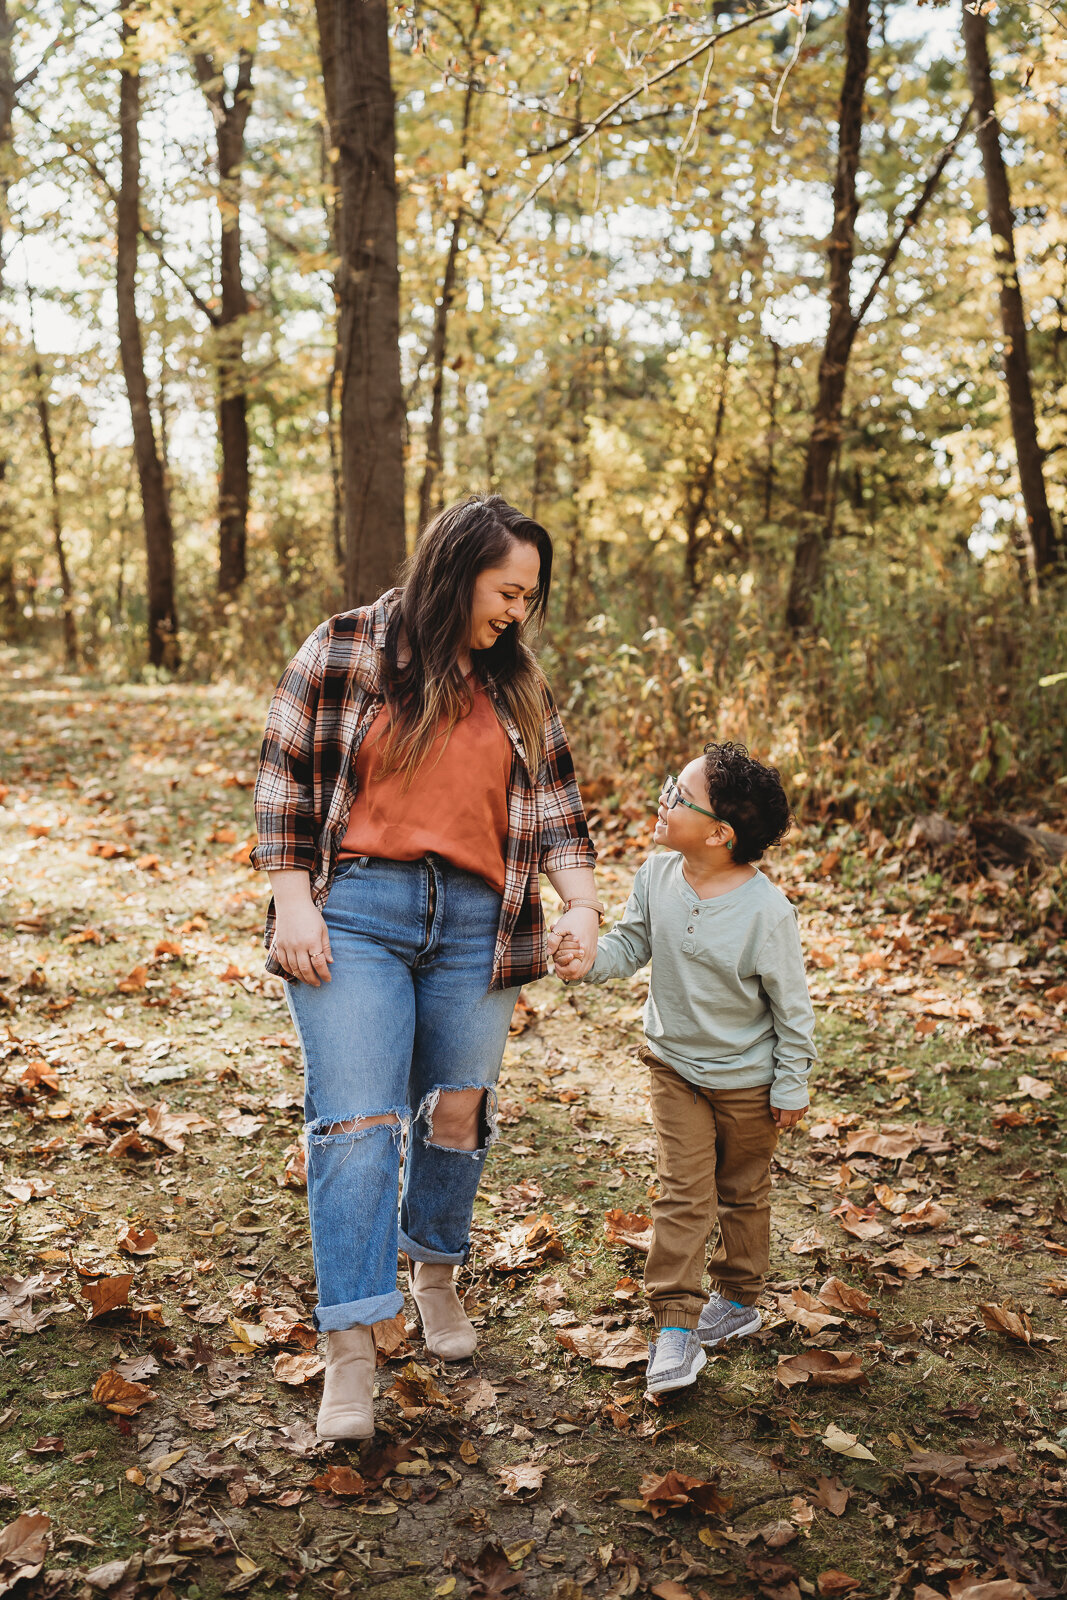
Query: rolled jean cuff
419, 1252
358, 1313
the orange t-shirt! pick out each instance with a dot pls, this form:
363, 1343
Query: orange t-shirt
456, 806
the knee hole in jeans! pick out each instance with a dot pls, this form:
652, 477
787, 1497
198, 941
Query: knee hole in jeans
468, 1126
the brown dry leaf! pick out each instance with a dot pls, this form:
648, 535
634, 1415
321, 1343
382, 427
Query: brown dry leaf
134, 981
23, 1547
845, 1444
1036, 1088
296, 1168
39, 1075
905, 1262
622, 1347
626, 1290
171, 1127
389, 1337
803, 1309
284, 1326
890, 1199
857, 1223
239, 1124
528, 1244
947, 955
994, 1589
1056, 1287
295, 1370
108, 1294
671, 1589
832, 1495
890, 1146
167, 947
808, 1243
831, 1582
25, 1189
628, 1228
823, 1369
550, 1293
842, 1297
84, 936
474, 1395
138, 1241
928, 1214
522, 1481
415, 1389
232, 975
340, 1480
118, 1394
998, 1319
675, 1490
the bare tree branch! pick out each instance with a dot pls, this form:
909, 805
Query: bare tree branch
624, 100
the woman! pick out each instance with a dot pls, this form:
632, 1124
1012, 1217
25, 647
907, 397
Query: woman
414, 780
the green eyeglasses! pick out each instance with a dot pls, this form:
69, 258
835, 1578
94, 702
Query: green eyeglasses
672, 796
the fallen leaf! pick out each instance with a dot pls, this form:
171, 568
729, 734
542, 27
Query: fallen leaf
25, 1189
928, 1214
628, 1228
297, 1369
340, 1480
415, 1389
808, 1243
23, 1547
857, 1223
550, 1293
619, 1348
823, 1369
676, 1491
845, 1444
171, 1127
119, 1395
842, 1297
832, 1495
134, 981
890, 1146
905, 1263
522, 1478
833, 1582
1036, 1088
998, 1319
138, 1242
107, 1294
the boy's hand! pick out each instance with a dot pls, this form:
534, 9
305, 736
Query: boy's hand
581, 926
567, 957
787, 1120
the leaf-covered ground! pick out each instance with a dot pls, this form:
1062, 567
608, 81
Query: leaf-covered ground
898, 1426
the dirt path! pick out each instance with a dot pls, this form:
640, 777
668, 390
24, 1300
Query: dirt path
148, 1130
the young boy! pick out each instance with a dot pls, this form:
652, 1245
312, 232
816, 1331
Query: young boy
728, 1041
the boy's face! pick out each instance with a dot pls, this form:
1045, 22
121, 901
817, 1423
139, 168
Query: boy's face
680, 828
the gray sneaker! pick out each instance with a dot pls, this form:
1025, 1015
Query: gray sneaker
721, 1320
674, 1360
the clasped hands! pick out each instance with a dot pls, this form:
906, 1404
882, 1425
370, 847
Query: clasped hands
572, 944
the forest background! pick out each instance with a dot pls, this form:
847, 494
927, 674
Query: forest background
735, 323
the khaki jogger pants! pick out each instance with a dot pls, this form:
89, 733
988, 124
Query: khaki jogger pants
714, 1149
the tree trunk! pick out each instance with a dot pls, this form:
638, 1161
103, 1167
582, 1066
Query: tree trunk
430, 489
355, 54
840, 334
70, 629
772, 429
7, 109
704, 489
230, 116
159, 534
1028, 451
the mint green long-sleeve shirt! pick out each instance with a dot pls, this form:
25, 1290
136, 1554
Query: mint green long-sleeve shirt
728, 1004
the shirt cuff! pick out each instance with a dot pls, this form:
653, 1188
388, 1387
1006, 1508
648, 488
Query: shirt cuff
567, 853
283, 858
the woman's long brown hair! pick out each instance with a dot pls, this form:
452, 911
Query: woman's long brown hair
427, 695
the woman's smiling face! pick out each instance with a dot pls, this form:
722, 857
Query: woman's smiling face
503, 594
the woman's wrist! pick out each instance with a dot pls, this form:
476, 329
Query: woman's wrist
585, 905
291, 889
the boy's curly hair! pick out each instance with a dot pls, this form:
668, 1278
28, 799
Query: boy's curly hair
747, 795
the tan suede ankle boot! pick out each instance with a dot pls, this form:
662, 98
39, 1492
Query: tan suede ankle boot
446, 1328
347, 1409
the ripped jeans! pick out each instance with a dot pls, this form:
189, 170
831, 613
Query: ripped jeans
407, 1017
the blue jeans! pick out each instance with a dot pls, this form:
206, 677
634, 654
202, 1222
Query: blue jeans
407, 1014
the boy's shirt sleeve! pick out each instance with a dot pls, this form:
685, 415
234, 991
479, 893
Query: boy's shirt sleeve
628, 947
781, 971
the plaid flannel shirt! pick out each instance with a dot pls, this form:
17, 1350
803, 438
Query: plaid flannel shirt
327, 699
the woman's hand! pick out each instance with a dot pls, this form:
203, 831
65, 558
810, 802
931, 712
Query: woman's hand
582, 924
301, 940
